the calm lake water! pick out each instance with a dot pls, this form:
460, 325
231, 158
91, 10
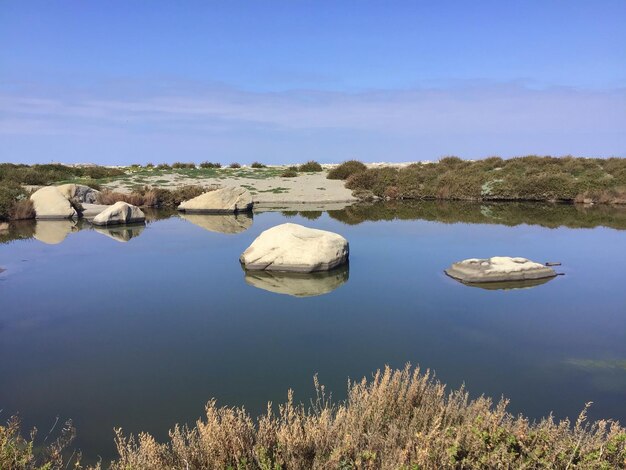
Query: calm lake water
139, 327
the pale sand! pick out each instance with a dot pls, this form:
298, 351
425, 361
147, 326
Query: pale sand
310, 189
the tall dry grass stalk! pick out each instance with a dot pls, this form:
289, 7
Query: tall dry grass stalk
400, 419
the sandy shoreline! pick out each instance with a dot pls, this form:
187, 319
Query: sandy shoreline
268, 188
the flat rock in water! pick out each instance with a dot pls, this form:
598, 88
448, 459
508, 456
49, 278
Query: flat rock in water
294, 248
498, 269
224, 200
119, 213
51, 203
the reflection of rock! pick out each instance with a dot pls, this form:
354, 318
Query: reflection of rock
498, 269
50, 203
4, 227
298, 284
121, 233
220, 223
54, 232
294, 248
509, 285
119, 213
224, 200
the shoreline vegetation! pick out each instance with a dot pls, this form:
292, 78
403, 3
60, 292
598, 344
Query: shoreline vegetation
532, 178
399, 419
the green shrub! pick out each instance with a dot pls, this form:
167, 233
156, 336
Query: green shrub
289, 173
179, 165
257, 165
346, 169
163, 166
311, 165
234, 165
210, 165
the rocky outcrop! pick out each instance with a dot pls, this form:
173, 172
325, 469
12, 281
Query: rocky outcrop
298, 284
235, 223
80, 193
294, 248
119, 213
498, 269
51, 203
220, 201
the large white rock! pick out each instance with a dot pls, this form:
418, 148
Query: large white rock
119, 213
224, 200
292, 247
498, 269
80, 193
50, 203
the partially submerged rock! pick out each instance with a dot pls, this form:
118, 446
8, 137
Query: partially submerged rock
227, 223
220, 201
51, 203
294, 248
119, 213
298, 284
80, 193
498, 269
92, 210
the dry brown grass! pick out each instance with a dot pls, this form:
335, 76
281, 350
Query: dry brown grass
22, 209
111, 197
400, 419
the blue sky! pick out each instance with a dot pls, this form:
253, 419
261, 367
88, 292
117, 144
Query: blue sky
134, 81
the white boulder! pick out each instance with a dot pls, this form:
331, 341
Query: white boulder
498, 269
224, 200
51, 203
119, 213
294, 248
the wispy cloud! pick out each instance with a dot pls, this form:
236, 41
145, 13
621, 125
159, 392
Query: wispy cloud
504, 110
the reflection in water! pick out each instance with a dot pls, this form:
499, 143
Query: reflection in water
121, 233
220, 223
508, 285
550, 215
53, 232
299, 284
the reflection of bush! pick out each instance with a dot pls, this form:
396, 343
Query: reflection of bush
505, 213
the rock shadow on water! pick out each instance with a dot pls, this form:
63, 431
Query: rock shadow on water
507, 285
53, 232
220, 223
121, 233
299, 284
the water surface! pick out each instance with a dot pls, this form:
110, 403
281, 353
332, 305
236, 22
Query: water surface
139, 327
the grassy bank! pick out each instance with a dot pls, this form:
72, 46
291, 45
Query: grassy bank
531, 178
399, 419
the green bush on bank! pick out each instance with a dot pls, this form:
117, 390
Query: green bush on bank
310, 166
525, 178
346, 169
400, 419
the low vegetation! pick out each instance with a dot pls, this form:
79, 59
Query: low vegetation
289, 173
494, 179
153, 197
400, 419
257, 165
310, 166
346, 169
234, 165
210, 165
